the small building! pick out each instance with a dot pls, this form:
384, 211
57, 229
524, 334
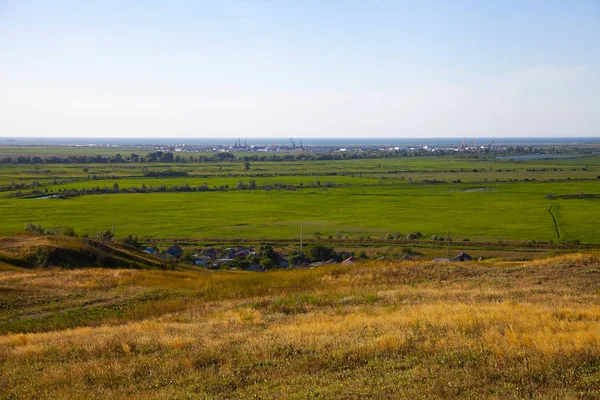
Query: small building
220, 261
243, 252
255, 268
200, 257
174, 251
442, 260
462, 257
229, 252
149, 250
211, 253
351, 260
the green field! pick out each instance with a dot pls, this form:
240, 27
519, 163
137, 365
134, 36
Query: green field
481, 200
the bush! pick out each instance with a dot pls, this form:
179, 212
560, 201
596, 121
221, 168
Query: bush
37, 229
105, 236
267, 263
68, 231
39, 256
131, 241
319, 252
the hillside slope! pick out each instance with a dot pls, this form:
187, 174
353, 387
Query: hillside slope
372, 330
30, 251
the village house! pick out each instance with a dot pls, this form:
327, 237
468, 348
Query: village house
462, 257
174, 251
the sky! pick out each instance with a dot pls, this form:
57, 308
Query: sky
303, 69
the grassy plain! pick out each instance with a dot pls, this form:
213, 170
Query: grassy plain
490, 211
495, 200
378, 330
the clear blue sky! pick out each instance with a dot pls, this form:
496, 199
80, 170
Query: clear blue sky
288, 68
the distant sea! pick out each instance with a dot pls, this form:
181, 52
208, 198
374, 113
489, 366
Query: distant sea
329, 142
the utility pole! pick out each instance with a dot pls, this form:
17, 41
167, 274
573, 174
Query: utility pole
448, 240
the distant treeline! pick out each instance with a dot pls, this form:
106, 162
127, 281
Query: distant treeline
169, 157
204, 187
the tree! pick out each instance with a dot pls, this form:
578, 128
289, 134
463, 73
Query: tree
295, 257
267, 263
131, 241
167, 157
105, 236
246, 165
320, 252
266, 251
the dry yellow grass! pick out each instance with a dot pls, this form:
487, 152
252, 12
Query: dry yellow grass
381, 330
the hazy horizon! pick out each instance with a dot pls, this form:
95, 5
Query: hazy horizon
280, 69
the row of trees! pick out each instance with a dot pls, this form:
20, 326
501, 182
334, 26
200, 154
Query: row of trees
115, 188
169, 157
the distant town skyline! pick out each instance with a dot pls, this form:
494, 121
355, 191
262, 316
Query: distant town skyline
310, 69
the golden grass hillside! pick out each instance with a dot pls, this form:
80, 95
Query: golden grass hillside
30, 251
377, 330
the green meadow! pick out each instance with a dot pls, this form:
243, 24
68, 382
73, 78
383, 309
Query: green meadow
487, 200
492, 211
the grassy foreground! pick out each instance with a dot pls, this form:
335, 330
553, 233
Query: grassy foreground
381, 330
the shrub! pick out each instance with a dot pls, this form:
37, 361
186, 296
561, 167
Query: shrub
39, 256
319, 252
37, 229
105, 236
68, 231
131, 241
267, 263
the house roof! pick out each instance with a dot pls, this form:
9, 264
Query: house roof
255, 268
463, 255
351, 260
441, 259
175, 249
